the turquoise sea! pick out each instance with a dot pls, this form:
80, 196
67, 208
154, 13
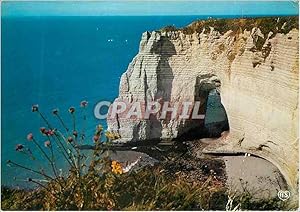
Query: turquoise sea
56, 62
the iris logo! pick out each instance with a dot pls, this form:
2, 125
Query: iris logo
284, 195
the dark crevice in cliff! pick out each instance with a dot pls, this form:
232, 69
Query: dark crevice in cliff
216, 120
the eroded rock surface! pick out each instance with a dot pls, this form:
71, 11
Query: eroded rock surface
258, 87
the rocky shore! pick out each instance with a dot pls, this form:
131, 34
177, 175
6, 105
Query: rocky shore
237, 173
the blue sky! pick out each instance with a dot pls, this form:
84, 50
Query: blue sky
139, 8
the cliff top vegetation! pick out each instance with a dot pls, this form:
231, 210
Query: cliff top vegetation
266, 24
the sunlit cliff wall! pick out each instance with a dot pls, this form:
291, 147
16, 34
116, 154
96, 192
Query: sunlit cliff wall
254, 65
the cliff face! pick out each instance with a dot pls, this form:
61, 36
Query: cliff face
255, 72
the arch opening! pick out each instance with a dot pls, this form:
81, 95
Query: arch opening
216, 120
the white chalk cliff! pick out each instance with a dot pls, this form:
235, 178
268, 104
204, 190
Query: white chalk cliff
258, 87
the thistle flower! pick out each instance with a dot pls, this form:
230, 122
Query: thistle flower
30, 137
47, 143
35, 108
55, 111
83, 103
19, 147
43, 130
96, 138
71, 110
70, 139
50, 132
